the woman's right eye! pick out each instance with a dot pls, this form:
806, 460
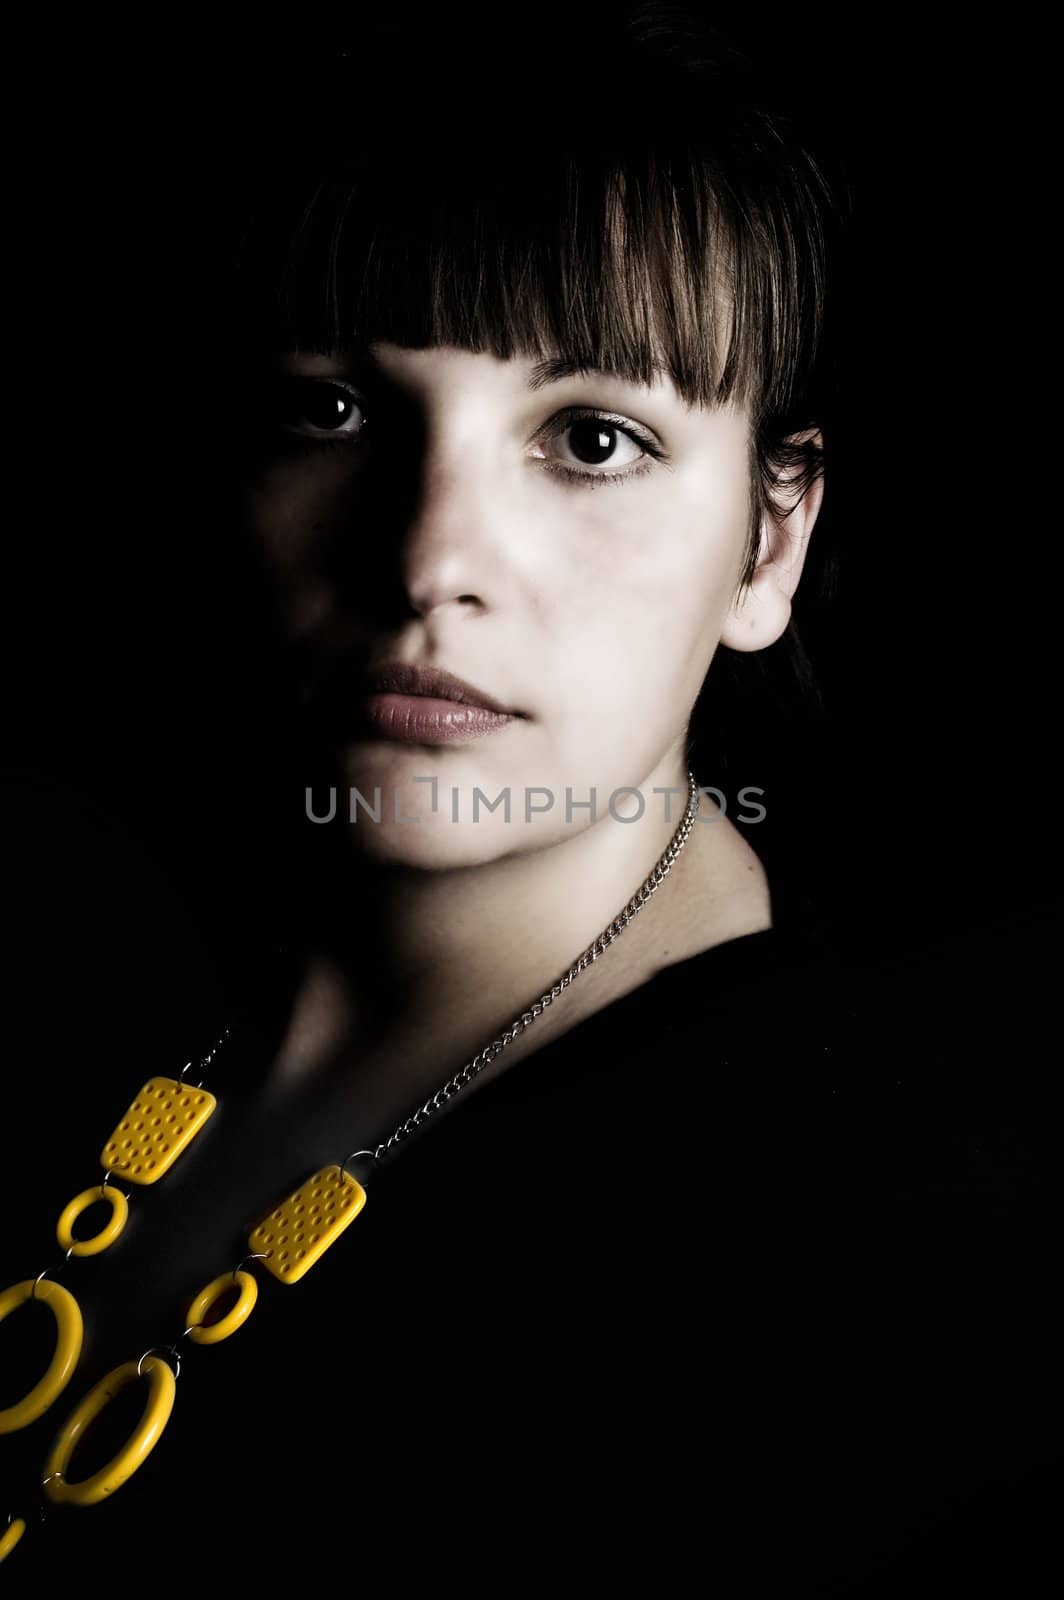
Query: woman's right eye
319, 408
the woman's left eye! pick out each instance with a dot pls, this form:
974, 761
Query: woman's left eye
589, 446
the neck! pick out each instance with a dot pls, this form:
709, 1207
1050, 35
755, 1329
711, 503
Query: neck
490, 936
449, 957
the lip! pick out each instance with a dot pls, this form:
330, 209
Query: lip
428, 705
397, 677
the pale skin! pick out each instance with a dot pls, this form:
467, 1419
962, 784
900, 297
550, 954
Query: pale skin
592, 609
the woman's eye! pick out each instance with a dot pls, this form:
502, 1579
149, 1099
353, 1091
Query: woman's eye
593, 447
319, 408
591, 442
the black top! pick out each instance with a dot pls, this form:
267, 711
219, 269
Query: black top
735, 1285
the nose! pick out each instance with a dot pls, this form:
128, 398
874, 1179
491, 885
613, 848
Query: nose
449, 551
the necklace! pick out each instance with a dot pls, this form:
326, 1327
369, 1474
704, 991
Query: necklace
163, 1120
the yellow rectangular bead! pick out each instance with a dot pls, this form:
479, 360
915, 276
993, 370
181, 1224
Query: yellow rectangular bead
303, 1227
162, 1121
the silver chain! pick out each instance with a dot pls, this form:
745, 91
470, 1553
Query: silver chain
495, 1048
525, 1020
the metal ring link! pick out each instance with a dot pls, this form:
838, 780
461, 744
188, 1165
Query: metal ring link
47, 1270
167, 1349
260, 1255
373, 1155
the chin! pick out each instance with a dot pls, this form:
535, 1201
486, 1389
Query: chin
444, 806
437, 843
398, 807
402, 773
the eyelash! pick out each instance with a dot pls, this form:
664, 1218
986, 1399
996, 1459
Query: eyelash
309, 443
592, 480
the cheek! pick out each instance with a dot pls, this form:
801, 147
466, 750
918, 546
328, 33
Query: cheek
646, 601
288, 513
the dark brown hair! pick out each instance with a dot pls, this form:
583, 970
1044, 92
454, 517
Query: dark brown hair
625, 203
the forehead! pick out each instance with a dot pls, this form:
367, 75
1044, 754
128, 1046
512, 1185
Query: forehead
575, 272
521, 374
533, 370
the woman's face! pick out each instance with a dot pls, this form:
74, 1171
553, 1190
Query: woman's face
568, 543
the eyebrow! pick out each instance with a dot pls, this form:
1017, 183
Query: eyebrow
559, 367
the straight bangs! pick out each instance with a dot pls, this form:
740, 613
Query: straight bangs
643, 262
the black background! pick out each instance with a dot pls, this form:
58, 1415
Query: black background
133, 903
136, 780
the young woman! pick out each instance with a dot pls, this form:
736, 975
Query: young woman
526, 441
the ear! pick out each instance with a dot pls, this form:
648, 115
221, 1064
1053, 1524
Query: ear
761, 611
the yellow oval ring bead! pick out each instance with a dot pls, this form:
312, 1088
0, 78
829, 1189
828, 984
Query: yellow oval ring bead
11, 1536
234, 1319
143, 1439
69, 1332
107, 1235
